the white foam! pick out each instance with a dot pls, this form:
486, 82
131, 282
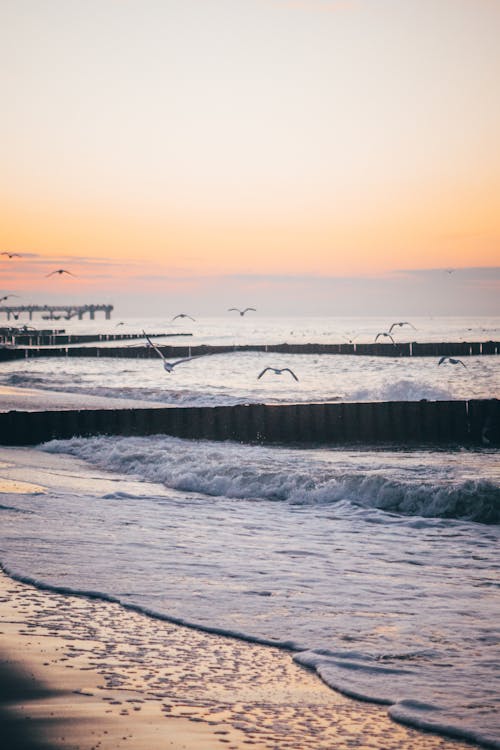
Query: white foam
224, 470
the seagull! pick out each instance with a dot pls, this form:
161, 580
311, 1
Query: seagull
11, 255
169, 366
388, 335
452, 361
350, 338
59, 271
7, 296
241, 312
183, 315
277, 371
404, 323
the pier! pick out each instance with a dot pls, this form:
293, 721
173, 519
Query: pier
404, 423
51, 312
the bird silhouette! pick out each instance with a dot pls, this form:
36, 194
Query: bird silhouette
387, 335
404, 323
350, 336
241, 312
7, 296
452, 361
11, 255
183, 315
59, 271
278, 371
169, 366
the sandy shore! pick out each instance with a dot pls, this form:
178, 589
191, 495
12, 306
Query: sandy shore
82, 673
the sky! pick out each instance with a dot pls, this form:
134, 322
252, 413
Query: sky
306, 156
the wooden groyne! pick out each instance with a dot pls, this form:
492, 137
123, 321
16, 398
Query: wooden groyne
405, 423
62, 339
432, 349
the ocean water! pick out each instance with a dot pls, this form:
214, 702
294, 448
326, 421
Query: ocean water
379, 569
233, 377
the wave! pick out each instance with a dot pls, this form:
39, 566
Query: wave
395, 390
363, 677
231, 471
402, 390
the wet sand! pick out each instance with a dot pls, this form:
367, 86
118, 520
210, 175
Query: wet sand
84, 673
33, 399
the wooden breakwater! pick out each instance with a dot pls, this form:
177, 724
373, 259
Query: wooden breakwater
432, 349
61, 338
475, 422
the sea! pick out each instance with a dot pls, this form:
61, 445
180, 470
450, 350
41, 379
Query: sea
378, 568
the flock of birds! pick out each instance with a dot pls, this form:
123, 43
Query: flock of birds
169, 366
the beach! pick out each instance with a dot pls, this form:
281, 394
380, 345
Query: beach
79, 673
85, 672
82, 673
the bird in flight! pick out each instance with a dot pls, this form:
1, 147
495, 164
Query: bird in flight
183, 315
241, 312
59, 271
7, 296
350, 336
278, 371
403, 323
387, 335
11, 255
452, 361
169, 366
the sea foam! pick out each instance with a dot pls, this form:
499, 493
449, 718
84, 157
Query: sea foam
224, 470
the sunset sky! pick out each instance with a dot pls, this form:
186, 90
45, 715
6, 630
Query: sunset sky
315, 156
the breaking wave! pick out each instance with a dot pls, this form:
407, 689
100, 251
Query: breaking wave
233, 471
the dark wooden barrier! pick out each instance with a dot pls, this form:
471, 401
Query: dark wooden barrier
474, 422
383, 349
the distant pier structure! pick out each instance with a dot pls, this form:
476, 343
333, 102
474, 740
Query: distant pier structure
56, 312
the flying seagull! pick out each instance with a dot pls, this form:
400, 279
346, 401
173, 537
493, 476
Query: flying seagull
169, 366
452, 361
350, 337
183, 315
241, 312
277, 371
59, 271
387, 335
7, 296
11, 255
404, 323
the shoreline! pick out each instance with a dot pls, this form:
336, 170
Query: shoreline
89, 673
15, 398
81, 673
